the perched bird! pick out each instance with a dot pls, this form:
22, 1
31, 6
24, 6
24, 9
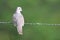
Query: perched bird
18, 20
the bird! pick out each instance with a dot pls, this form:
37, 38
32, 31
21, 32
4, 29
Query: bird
18, 20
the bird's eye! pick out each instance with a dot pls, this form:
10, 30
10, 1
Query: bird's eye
19, 8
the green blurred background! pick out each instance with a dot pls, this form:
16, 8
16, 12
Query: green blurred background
44, 11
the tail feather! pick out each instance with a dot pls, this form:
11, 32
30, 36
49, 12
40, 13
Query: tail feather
19, 29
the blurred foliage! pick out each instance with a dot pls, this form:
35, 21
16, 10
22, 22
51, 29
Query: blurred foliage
44, 11
31, 8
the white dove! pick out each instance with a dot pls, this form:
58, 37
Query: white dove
18, 20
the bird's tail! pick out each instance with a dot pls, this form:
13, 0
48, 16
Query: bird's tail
19, 29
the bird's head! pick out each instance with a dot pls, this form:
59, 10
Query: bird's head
19, 8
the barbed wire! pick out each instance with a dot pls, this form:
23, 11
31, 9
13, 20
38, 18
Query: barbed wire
32, 23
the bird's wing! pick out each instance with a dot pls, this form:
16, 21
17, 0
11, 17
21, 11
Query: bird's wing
14, 20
